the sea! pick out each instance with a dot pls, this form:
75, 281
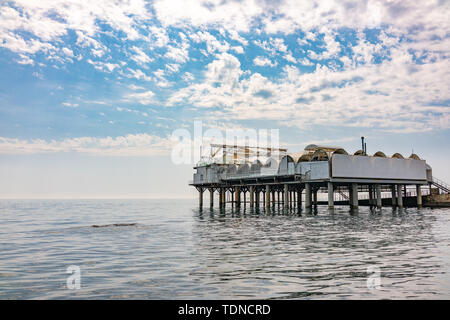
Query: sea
172, 249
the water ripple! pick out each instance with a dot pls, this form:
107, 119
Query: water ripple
169, 249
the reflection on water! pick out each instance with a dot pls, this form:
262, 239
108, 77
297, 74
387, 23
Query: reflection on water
170, 249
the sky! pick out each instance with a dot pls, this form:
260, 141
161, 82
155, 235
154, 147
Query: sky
91, 91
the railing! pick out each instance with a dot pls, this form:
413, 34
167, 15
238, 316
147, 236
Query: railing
249, 175
441, 185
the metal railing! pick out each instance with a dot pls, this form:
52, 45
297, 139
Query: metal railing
440, 184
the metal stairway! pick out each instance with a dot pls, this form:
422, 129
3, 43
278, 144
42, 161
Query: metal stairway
343, 194
441, 185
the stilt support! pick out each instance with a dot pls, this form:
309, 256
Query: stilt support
330, 195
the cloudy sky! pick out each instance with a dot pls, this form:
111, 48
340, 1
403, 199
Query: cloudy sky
90, 91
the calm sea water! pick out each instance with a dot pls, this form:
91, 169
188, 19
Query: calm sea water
176, 251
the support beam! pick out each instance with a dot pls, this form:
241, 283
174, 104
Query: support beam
399, 196
394, 197
378, 190
252, 196
419, 196
211, 197
285, 196
294, 201
299, 198
315, 197
330, 195
273, 198
221, 198
257, 197
354, 195
308, 196
267, 197
237, 192
200, 198
370, 187
290, 199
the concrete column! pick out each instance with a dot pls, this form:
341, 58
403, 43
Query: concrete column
370, 195
294, 197
354, 195
263, 196
299, 199
278, 197
399, 196
419, 196
252, 196
315, 198
290, 199
267, 197
286, 196
273, 198
378, 189
237, 193
350, 196
211, 197
308, 196
394, 197
330, 195
222, 198
200, 198
257, 197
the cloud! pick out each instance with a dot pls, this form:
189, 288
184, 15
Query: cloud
24, 59
402, 100
212, 44
138, 74
179, 52
139, 56
142, 97
70, 105
47, 21
230, 14
264, 62
129, 145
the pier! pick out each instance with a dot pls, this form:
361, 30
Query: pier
268, 178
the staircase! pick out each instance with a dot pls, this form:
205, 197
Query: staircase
441, 185
343, 194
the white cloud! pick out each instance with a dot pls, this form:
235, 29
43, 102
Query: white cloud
135, 87
138, 74
24, 59
396, 95
212, 44
173, 67
264, 62
70, 105
178, 52
159, 35
129, 145
139, 56
232, 15
238, 49
142, 97
49, 20
103, 66
68, 52
288, 57
187, 76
